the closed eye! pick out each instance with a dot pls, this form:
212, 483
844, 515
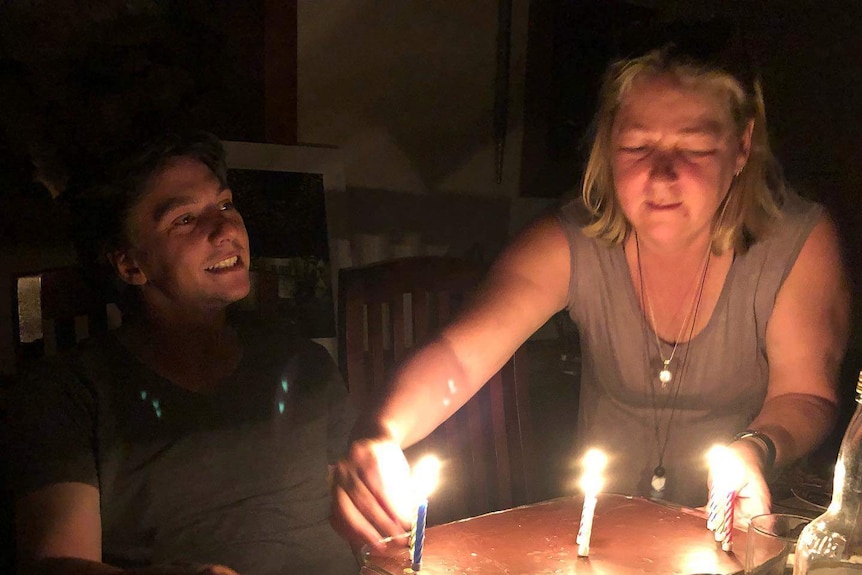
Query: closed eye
634, 149
699, 153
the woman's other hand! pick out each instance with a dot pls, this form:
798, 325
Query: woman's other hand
747, 480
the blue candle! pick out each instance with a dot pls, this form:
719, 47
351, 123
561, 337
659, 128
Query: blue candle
417, 538
424, 478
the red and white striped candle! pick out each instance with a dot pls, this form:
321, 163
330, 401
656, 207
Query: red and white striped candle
726, 471
724, 528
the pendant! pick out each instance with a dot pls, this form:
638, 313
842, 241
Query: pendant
658, 482
665, 376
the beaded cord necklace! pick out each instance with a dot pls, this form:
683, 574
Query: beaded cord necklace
658, 483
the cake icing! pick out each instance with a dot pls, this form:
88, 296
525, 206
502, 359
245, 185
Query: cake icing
630, 535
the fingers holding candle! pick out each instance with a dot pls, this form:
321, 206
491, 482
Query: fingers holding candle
394, 479
358, 523
737, 467
371, 495
753, 497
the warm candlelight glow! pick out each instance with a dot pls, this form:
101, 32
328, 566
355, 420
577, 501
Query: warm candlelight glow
725, 467
395, 476
591, 482
696, 560
423, 480
594, 463
425, 475
726, 471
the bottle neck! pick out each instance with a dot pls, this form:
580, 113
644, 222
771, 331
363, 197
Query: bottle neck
847, 486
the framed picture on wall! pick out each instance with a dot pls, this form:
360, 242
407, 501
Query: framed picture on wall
289, 199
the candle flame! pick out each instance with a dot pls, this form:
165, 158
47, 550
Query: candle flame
594, 463
725, 467
425, 475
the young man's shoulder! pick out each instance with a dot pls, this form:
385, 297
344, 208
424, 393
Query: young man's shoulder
94, 355
270, 342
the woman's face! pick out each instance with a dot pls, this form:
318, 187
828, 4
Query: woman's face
675, 151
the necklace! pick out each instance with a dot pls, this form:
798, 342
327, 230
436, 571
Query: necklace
665, 375
658, 482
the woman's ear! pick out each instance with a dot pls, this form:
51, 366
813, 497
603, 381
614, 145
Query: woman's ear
744, 146
127, 268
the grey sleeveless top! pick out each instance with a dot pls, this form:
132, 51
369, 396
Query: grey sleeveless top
726, 368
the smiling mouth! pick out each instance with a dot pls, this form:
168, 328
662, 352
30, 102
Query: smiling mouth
224, 264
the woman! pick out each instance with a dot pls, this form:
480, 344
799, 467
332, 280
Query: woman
712, 304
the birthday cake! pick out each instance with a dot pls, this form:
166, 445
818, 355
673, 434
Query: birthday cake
629, 535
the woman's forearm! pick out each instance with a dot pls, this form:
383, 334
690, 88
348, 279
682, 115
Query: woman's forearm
425, 390
797, 423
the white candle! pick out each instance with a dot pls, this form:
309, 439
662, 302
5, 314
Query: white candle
591, 484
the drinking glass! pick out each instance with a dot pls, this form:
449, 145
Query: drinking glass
771, 542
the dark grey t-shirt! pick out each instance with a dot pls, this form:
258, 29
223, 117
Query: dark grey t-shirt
236, 477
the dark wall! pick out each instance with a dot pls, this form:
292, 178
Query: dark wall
813, 87
75, 77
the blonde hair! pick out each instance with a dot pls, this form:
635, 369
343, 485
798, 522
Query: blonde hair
756, 194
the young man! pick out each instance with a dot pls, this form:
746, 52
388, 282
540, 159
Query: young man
183, 442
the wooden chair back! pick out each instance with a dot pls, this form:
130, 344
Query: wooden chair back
53, 309
388, 308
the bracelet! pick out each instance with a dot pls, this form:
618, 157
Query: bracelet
764, 441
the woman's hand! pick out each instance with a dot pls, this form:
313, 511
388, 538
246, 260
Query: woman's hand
371, 497
752, 493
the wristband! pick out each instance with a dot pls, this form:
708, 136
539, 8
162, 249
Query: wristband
764, 441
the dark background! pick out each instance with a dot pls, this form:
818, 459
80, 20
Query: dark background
75, 76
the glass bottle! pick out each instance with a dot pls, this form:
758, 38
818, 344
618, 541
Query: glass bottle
832, 543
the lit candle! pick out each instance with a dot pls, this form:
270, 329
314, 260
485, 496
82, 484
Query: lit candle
726, 471
591, 484
424, 478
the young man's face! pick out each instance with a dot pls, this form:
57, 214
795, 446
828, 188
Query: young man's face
189, 246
